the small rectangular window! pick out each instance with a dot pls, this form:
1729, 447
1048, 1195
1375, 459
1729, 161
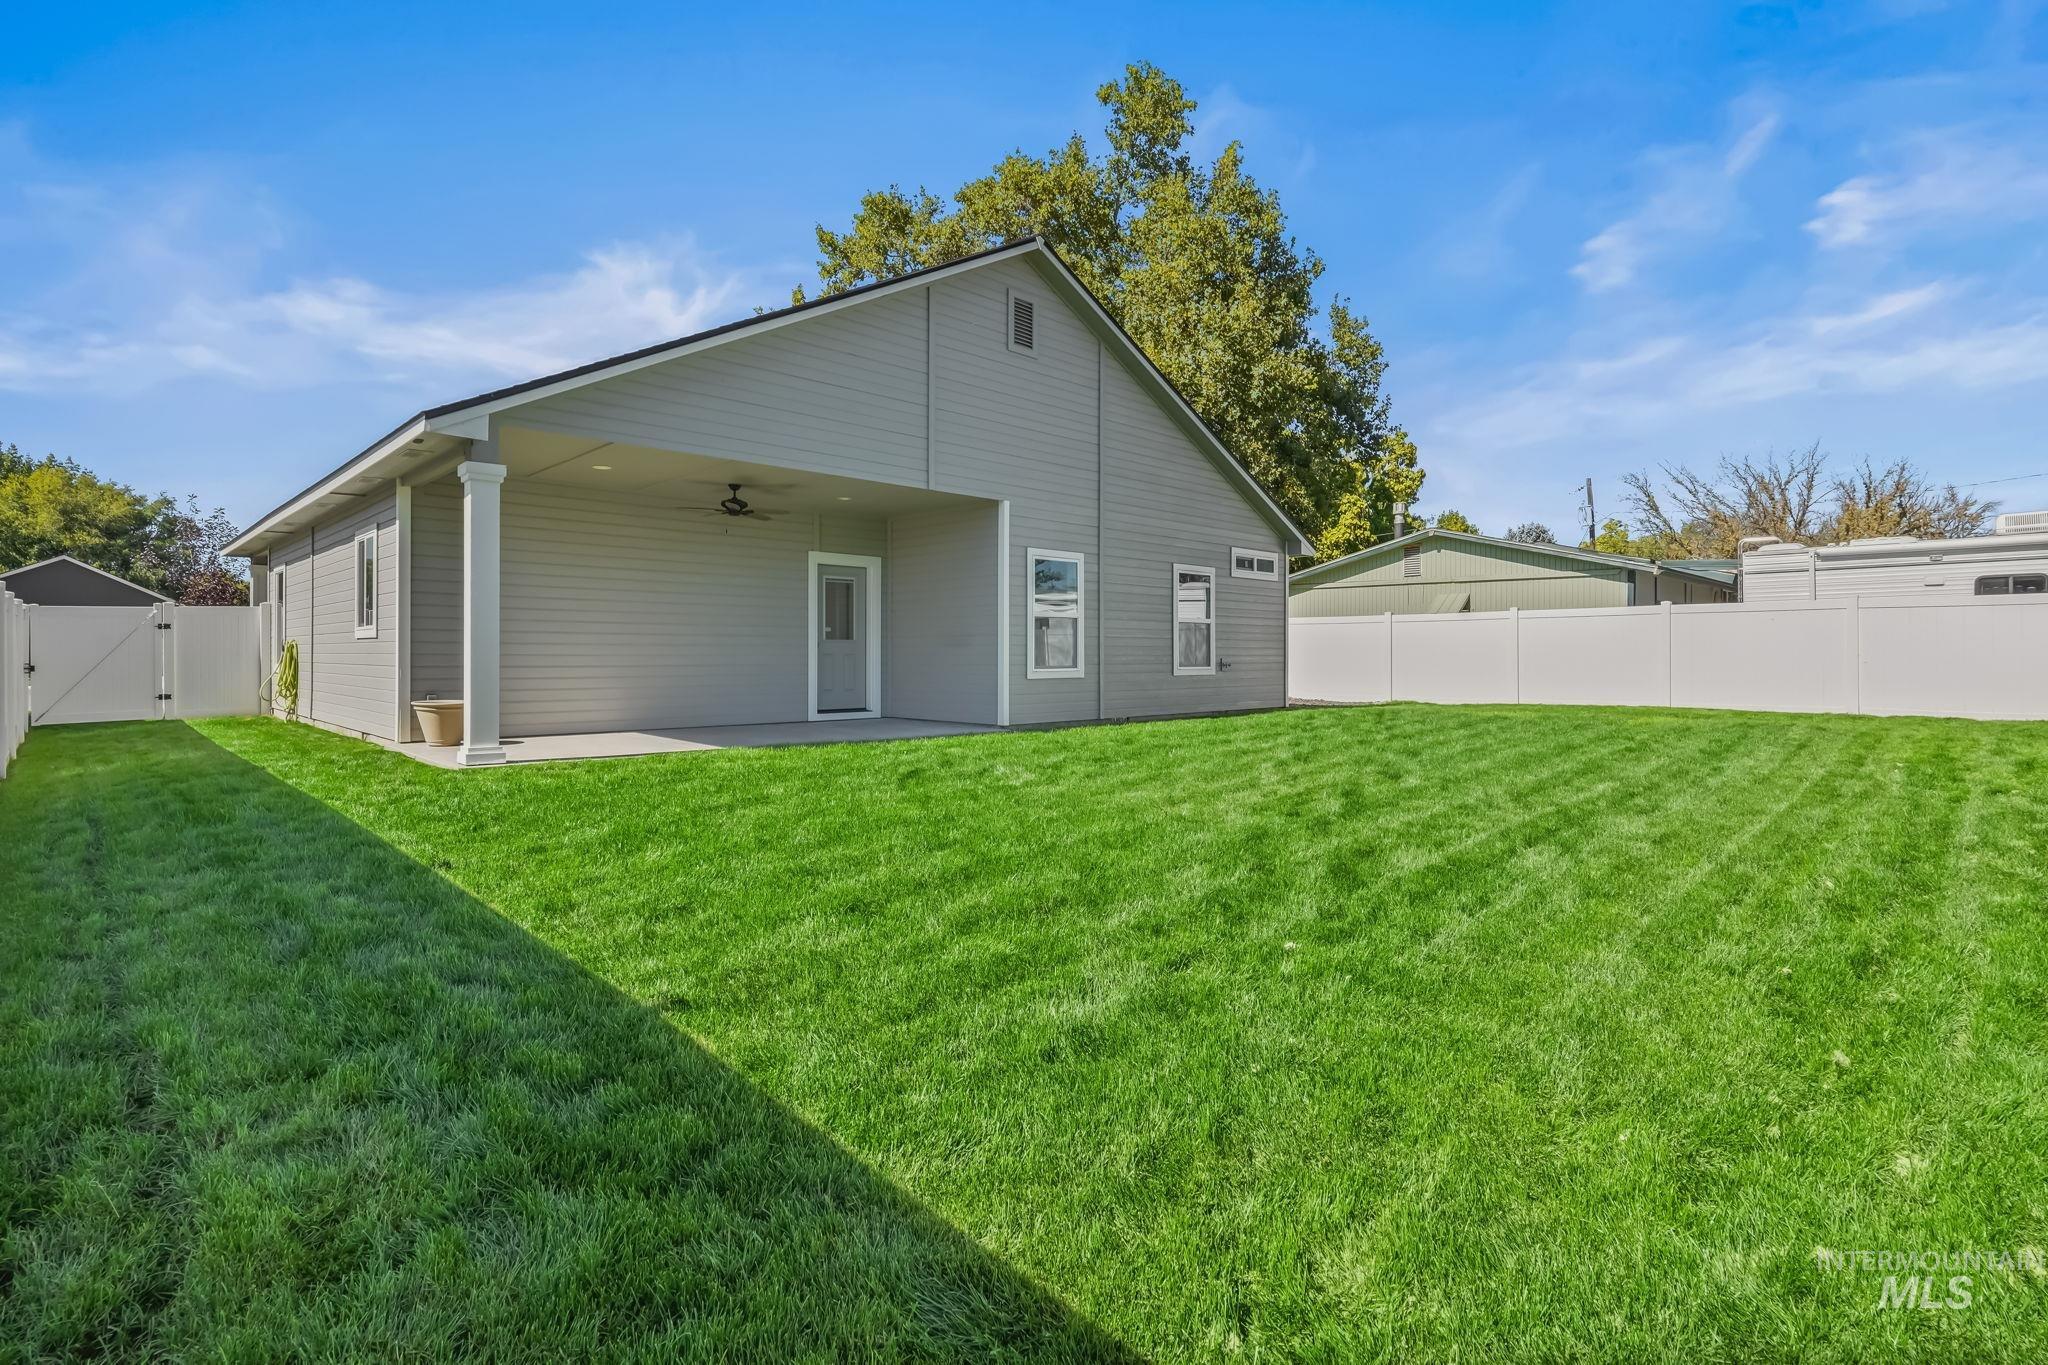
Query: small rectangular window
366, 585
839, 608
1194, 619
1995, 586
1021, 323
1254, 564
2030, 582
1059, 642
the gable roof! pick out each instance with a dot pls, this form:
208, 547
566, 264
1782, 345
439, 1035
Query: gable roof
79, 563
468, 417
1599, 557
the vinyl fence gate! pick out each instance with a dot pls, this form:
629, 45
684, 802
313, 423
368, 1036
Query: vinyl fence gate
142, 663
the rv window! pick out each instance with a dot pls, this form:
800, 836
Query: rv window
1991, 587
2030, 582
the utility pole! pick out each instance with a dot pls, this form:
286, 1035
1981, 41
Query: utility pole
1592, 525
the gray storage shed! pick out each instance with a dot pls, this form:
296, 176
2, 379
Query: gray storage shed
1447, 571
66, 582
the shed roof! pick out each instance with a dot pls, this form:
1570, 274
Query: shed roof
1561, 552
72, 562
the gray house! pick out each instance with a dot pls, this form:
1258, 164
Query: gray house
962, 496
66, 582
1447, 571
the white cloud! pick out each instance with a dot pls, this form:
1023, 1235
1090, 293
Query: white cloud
1938, 180
1896, 342
1694, 198
620, 297
118, 287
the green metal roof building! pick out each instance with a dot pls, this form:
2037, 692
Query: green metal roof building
1446, 571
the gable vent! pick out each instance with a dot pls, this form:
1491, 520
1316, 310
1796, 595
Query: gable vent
1411, 561
1023, 323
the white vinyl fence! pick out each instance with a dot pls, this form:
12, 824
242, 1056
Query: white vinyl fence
142, 663
13, 676
1907, 656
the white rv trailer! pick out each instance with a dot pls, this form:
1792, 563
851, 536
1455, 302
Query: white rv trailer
2013, 559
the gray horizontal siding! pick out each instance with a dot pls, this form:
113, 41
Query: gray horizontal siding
1164, 503
838, 393
357, 683
1021, 427
437, 590
292, 562
939, 645
344, 682
616, 615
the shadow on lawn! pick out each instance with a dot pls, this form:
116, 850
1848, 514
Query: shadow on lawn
336, 1106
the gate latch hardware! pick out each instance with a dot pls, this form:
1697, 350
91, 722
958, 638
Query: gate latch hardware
163, 696
163, 625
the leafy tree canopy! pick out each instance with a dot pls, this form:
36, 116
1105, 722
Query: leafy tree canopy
51, 507
1530, 533
1196, 263
1452, 520
1796, 497
1615, 539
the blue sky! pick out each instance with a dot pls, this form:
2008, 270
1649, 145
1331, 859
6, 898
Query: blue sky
238, 242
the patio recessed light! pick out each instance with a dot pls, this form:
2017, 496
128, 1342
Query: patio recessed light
600, 466
846, 499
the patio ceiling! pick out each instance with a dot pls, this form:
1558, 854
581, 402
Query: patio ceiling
690, 479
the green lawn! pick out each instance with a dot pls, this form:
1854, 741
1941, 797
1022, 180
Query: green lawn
1402, 1032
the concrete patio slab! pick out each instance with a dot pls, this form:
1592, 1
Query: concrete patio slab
628, 743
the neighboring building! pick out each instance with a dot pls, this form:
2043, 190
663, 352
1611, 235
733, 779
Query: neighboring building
67, 582
963, 495
2013, 560
1446, 571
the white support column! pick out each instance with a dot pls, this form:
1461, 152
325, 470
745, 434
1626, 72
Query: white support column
481, 482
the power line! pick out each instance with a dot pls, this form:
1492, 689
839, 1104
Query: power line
2015, 478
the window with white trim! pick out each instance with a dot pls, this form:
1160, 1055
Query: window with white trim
1059, 639
1194, 619
1254, 564
366, 585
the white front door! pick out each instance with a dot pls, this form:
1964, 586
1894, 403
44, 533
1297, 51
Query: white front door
842, 625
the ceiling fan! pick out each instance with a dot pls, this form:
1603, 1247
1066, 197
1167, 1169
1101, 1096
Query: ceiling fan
736, 506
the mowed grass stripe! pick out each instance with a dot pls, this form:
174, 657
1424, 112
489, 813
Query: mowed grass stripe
1400, 1031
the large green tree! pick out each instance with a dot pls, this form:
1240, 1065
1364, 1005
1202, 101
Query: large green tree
1196, 263
51, 507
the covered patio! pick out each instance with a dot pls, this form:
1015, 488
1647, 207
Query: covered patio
588, 597
696, 739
